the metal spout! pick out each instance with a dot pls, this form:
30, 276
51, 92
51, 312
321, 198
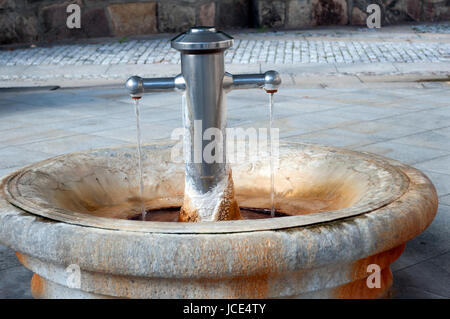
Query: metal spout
209, 191
269, 81
137, 86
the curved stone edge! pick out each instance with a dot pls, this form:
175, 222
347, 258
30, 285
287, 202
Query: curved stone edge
46, 289
246, 255
235, 226
336, 281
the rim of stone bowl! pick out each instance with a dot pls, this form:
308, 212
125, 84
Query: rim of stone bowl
11, 194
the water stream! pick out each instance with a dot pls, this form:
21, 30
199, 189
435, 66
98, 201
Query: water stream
139, 153
272, 178
143, 212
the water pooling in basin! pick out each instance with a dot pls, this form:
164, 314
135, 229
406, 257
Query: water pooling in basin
170, 214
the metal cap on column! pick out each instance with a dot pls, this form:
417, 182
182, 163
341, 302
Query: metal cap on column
202, 39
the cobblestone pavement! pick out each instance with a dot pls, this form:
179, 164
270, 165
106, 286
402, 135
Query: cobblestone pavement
409, 122
244, 51
422, 44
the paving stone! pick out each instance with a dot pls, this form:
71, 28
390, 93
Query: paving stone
95, 124
309, 122
358, 113
8, 123
440, 181
14, 156
445, 200
402, 152
29, 134
428, 122
438, 165
372, 68
431, 277
6, 171
73, 143
381, 130
303, 105
98, 107
440, 111
44, 117
333, 137
160, 115
15, 283
431, 243
8, 258
31, 100
363, 96
442, 261
149, 132
400, 292
428, 139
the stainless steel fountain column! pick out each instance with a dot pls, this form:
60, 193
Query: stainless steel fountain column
209, 193
202, 66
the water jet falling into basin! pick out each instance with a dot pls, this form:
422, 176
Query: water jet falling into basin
139, 154
272, 173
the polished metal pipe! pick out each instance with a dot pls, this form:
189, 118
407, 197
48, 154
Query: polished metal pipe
138, 86
203, 74
270, 81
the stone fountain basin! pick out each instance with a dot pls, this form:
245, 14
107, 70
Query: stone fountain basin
346, 210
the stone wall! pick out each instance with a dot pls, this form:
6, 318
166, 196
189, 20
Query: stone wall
292, 14
24, 21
